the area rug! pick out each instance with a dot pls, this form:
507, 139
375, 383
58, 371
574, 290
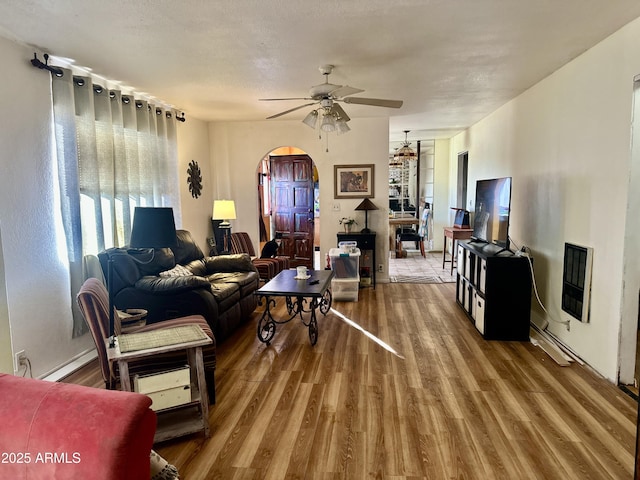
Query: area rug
417, 269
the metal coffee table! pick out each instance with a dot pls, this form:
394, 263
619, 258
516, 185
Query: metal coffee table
302, 296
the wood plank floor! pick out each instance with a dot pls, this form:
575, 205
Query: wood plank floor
447, 404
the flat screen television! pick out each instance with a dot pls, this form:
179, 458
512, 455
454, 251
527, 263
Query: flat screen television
493, 205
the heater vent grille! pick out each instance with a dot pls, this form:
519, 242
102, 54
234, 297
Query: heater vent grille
576, 281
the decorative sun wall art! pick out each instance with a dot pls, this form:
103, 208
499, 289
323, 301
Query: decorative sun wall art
194, 179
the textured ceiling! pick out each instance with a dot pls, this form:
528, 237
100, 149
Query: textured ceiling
451, 61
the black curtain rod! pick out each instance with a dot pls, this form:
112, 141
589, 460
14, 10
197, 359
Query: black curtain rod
35, 61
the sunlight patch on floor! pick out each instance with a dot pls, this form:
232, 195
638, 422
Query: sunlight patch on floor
368, 334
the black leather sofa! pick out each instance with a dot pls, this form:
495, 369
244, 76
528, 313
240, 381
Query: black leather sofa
179, 281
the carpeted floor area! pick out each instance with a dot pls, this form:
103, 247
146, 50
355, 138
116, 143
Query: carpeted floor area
416, 269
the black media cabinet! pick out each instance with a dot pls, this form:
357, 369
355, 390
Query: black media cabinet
493, 286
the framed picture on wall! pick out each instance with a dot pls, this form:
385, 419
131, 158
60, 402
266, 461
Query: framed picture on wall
353, 181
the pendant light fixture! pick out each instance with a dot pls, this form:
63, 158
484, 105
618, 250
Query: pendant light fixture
405, 152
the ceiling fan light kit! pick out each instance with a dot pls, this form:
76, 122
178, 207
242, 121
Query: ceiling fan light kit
327, 95
328, 123
342, 127
311, 119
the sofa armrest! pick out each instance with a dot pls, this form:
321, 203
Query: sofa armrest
164, 285
239, 262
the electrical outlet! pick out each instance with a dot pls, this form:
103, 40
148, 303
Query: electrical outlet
380, 268
336, 207
20, 360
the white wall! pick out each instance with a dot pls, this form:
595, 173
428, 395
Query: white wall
37, 283
238, 147
566, 144
193, 144
442, 205
6, 358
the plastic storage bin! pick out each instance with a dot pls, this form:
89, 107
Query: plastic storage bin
345, 289
348, 246
345, 264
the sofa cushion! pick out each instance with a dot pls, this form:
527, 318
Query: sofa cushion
161, 285
186, 250
197, 267
229, 263
240, 278
225, 294
125, 270
161, 260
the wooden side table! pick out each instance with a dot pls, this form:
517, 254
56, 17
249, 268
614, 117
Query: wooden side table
455, 234
175, 421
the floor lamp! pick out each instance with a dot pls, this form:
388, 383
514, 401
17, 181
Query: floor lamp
153, 227
225, 210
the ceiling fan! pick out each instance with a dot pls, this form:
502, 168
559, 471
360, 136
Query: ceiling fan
327, 95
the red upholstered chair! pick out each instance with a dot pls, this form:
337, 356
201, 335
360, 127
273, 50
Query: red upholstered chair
93, 300
267, 267
72, 432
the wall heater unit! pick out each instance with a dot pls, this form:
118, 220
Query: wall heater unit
576, 281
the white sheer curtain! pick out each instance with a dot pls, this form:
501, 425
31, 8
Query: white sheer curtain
115, 152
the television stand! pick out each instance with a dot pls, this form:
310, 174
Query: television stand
493, 286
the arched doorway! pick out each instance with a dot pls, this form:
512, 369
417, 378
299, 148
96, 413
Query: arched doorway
289, 206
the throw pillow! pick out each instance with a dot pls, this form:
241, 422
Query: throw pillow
161, 469
177, 271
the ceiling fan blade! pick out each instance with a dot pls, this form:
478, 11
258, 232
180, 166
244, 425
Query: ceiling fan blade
346, 90
279, 99
375, 102
290, 110
341, 113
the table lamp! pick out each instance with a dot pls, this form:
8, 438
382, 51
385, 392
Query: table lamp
366, 205
153, 227
224, 210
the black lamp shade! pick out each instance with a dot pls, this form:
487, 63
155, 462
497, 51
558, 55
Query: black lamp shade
366, 204
153, 227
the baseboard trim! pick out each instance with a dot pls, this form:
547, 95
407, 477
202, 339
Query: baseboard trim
70, 367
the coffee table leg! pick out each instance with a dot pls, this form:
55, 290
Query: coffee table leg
266, 325
313, 328
325, 302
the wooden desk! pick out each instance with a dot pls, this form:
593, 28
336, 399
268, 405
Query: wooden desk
455, 234
177, 421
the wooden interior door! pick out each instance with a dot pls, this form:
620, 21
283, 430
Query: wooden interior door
292, 206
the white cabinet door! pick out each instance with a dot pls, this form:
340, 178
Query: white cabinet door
462, 288
467, 264
478, 311
482, 275
460, 261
